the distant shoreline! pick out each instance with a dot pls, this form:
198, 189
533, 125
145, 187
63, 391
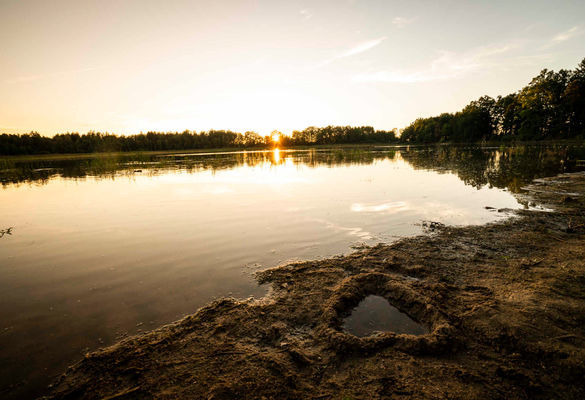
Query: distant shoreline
73, 156
60, 156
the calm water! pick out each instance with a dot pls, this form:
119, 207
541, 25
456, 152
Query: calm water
106, 247
375, 314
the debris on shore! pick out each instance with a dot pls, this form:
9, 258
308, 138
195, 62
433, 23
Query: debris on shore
7, 231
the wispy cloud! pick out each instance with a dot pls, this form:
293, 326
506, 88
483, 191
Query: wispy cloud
401, 22
361, 47
306, 14
569, 34
30, 78
563, 37
446, 65
357, 49
24, 78
389, 208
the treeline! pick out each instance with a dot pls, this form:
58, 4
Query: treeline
92, 142
551, 106
33, 143
338, 135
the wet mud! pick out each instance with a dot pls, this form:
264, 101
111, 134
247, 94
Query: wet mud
504, 305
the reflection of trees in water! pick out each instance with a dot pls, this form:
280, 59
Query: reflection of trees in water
504, 167
112, 167
469, 164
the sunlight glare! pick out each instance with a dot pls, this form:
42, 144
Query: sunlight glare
276, 155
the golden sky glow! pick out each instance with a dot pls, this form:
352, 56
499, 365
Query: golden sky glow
131, 66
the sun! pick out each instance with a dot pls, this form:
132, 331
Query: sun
276, 137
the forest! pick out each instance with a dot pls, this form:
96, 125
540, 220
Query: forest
551, 106
34, 143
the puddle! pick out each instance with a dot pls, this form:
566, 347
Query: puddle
375, 314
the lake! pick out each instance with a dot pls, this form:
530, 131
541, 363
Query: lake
96, 248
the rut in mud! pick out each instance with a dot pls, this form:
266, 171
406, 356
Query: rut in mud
504, 305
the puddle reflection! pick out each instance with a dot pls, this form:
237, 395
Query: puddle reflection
375, 314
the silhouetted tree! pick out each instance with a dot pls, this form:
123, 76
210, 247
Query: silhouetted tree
551, 106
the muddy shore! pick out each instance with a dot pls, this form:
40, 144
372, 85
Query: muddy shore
504, 304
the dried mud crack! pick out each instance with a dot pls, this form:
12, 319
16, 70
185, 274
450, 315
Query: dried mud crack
504, 304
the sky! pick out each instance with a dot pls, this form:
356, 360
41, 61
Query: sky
263, 65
